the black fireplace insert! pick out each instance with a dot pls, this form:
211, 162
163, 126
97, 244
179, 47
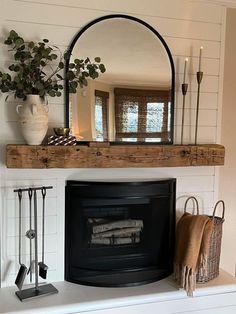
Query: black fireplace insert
119, 233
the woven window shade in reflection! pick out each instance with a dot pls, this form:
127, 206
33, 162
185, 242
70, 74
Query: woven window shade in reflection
142, 114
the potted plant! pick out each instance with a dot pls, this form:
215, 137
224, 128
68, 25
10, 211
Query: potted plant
36, 74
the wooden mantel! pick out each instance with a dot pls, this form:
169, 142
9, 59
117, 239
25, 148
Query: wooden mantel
114, 156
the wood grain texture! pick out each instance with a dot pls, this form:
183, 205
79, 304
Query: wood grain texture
115, 156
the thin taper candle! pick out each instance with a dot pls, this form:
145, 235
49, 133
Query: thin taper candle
185, 68
200, 59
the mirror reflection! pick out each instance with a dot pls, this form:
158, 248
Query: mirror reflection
131, 101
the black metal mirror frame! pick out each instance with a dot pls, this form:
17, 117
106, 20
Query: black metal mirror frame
112, 16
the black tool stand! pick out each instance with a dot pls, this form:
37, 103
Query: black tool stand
37, 290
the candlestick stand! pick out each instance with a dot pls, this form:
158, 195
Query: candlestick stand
199, 80
184, 92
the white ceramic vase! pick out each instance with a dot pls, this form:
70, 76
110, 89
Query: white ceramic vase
33, 119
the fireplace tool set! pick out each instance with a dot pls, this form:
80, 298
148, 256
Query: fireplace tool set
40, 268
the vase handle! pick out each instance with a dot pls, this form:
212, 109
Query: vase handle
17, 109
34, 109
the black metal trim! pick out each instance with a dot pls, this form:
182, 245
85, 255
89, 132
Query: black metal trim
128, 190
112, 16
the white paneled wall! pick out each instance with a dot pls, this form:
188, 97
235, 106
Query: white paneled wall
186, 26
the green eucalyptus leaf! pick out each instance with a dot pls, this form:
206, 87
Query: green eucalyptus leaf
46, 40
31, 44
17, 55
13, 34
77, 67
59, 76
54, 56
97, 59
67, 55
70, 75
74, 84
5, 89
39, 85
16, 79
19, 41
16, 68
102, 68
8, 41
61, 65
11, 67
4, 76
22, 47
52, 93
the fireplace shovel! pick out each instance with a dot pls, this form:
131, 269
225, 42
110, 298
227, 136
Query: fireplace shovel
42, 266
23, 269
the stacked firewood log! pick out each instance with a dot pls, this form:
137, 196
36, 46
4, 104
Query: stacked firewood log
115, 232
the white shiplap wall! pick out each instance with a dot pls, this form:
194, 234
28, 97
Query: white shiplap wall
185, 25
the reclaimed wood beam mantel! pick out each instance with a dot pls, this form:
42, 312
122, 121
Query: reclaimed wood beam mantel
114, 156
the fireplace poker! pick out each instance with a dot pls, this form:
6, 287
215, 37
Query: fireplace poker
42, 266
30, 233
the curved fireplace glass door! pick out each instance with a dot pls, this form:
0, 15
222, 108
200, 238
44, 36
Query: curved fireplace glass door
119, 233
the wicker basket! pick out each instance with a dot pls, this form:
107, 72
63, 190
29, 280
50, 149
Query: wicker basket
213, 258
195, 202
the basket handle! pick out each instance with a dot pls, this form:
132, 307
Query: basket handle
223, 209
195, 201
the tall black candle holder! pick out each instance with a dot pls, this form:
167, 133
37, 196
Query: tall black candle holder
199, 80
184, 92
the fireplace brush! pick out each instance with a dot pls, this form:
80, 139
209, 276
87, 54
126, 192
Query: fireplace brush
32, 234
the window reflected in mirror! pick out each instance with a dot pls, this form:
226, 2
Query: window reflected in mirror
142, 115
133, 100
101, 115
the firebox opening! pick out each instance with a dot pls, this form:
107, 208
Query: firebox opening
119, 234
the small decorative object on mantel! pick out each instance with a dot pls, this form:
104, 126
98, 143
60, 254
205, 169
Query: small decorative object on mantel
62, 131
35, 76
33, 234
198, 243
62, 137
199, 80
62, 140
184, 92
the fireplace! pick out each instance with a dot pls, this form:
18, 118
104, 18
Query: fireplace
119, 233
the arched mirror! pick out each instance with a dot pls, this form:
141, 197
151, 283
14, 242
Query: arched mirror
133, 101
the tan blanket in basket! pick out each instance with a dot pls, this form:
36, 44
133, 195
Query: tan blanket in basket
192, 245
